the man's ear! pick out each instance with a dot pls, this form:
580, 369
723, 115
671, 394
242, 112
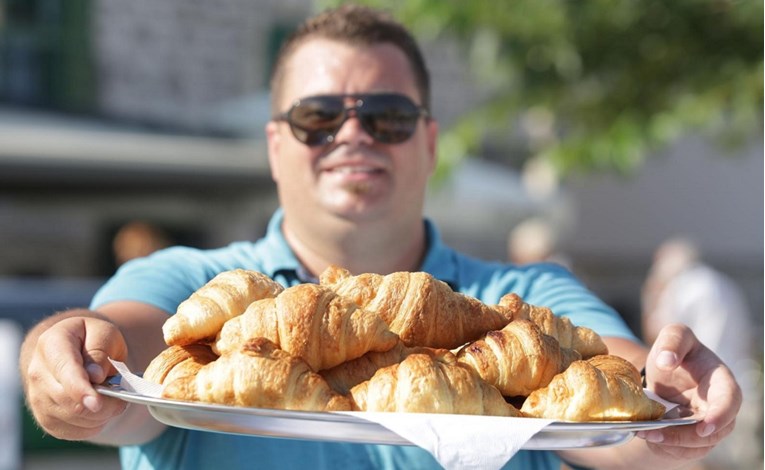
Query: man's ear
273, 141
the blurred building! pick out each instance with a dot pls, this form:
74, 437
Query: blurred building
113, 111
116, 111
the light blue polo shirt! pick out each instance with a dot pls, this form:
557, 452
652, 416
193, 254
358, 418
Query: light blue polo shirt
168, 277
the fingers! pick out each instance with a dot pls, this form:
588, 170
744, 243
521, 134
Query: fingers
94, 341
672, 345
58, 360
64, 418
99, 345
67, 358
722, 402
683, 442
681, 369
685, 436
677, 363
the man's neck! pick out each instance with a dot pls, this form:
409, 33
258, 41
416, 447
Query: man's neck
358, 248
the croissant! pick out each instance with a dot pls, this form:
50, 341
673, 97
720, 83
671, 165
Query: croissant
424, 383
517, 359
225, 296
584, 340
600, 389
259, 375
618, 366
178, 361
311, 322
345, 376
422, 310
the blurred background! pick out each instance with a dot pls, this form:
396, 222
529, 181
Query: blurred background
582, 132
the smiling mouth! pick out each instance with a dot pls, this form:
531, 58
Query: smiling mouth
356, 179
350, 170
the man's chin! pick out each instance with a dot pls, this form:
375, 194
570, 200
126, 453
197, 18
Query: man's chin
357, 212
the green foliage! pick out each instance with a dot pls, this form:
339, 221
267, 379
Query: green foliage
598, 84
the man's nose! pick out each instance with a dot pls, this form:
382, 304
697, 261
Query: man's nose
352, 132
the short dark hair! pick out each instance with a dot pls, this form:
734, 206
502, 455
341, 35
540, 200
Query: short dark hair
354, 25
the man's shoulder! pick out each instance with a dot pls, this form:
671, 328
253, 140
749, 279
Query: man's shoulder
240, 254
487, 271
489, 280
168, 276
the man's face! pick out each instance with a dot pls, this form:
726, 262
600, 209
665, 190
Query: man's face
354, 177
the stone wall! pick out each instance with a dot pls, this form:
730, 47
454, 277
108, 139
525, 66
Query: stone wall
175, 63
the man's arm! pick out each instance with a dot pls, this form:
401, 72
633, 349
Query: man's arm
66, 353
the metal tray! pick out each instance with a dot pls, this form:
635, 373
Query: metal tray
350, 427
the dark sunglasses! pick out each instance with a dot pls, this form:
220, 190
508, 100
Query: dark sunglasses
390, 118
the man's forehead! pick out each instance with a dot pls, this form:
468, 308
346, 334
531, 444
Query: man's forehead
321, 66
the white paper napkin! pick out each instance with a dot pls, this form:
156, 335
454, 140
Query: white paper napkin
135, 383
457, 442
667, 404
462, 441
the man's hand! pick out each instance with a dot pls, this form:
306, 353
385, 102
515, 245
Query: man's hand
682, 370
60, 360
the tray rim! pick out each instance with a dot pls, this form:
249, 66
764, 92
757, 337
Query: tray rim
161, 408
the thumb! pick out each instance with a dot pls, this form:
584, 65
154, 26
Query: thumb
673, 345
103, 340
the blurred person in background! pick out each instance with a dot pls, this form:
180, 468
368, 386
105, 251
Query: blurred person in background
137, 239
351, 148
535, 240
681, 288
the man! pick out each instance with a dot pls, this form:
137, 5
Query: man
351, 148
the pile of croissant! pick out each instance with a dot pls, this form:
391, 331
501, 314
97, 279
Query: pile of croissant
403, 342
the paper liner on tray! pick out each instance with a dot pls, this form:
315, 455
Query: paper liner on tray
463, 441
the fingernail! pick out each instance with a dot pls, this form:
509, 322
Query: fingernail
706, 430
91, 403
666, 360
95, 372
654, 436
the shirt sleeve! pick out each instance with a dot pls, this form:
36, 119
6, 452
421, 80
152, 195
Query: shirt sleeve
556, 287
163, 279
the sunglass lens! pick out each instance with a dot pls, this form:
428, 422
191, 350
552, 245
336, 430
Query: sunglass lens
315, 120
389, 118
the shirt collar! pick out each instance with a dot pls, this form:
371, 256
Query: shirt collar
277, 255
440, 260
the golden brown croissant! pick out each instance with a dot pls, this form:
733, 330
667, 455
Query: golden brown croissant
584, 392
423, 383
517, 359
259, 375
584, 340
225, 296
178, 361
311, 322
422, 310
351, 373
616, 365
